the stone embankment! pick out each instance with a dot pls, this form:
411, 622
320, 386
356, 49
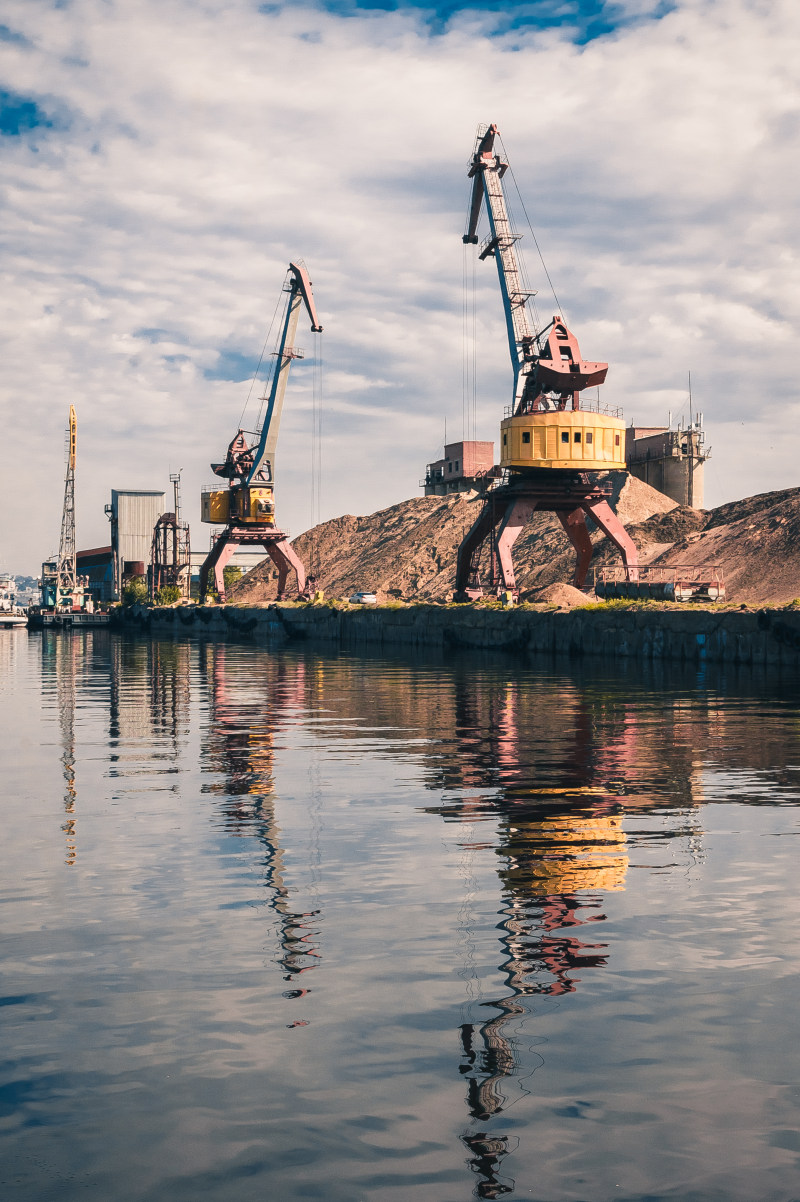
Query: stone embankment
722, 636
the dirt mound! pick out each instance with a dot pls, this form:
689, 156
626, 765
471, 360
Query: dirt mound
755, 542
409, 550
565, 596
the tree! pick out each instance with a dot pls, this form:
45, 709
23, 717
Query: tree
135, 592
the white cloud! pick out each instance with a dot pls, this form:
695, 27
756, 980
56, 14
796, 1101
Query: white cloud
198, 147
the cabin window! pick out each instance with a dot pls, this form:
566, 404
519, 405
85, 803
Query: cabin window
505, 439
526, 435
576, 436
565, 435
616, 440
456, 465
449, 467
589, 436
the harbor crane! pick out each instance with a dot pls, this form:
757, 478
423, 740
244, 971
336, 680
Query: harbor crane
247, 505
552, 447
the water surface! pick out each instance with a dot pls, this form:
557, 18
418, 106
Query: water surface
282, 925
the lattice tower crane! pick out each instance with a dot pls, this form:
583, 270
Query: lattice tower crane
67, 560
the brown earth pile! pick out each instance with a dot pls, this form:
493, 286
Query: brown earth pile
408, 551
755, 541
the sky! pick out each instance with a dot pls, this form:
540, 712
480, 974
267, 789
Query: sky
164, 162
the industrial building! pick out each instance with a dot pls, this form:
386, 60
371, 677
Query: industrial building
464, 468
97, 566
670, 460
133, 514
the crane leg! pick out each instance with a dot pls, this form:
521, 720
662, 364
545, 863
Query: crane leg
574, 523
215, 561
613, 528
510, 517
517, 513
466, 564
286, 559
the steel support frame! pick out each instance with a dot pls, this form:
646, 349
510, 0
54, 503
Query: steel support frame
505, 512
277, 546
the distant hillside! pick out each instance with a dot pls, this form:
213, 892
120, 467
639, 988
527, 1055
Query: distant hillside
409, 550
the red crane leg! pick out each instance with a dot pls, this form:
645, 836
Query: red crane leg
574, 523
470, 545
611, 526
286, 559
217, 558
517, 513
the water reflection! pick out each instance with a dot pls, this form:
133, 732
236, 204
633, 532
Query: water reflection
61, 664
560, 848
243, 718
549, 776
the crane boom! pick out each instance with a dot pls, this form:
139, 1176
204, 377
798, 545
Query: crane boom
544, 362
486, 172
263, 469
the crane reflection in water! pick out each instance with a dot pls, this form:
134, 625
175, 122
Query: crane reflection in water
62, 659
561, 848
240, 750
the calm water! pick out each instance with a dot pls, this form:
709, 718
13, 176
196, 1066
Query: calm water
284, 926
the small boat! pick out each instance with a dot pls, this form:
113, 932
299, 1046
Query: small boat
41, 618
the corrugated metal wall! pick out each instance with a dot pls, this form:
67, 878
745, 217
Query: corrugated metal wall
133, 517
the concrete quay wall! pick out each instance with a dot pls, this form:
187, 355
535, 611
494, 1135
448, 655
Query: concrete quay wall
721, 636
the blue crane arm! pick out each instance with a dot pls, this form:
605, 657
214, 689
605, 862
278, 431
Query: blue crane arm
486, 171
300, 292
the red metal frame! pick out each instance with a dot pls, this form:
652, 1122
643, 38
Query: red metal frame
664, 582
572, 496
278, 548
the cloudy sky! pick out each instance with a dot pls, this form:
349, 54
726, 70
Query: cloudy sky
165, 159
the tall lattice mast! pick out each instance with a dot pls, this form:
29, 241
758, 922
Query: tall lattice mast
67, 566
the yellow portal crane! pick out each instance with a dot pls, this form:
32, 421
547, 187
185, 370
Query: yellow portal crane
549, 444
247, 506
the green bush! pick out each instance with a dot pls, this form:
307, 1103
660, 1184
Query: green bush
168, 594
135, 592
231, 575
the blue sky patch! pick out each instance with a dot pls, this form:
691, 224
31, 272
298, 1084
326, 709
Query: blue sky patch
11, 35
232, 365
589, 18
20, 114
